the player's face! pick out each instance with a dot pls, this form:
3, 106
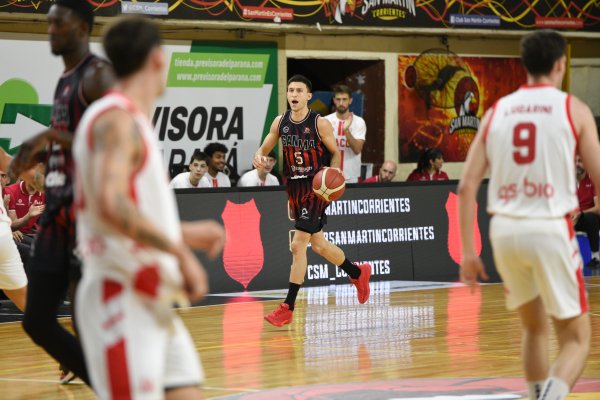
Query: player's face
198, 168
387, 172
342, 103
65, 30
298, 96
217, 161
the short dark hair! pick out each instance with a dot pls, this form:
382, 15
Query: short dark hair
540, 50
337, 89
301, 79
81, 8
211, 148
128, 42
272, 155
199, 156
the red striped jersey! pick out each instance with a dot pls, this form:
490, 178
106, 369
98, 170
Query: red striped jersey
304, 154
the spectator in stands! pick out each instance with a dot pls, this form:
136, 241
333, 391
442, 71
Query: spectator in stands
587, 219
194, 178
429, 167
26, 202
387, 172
261, 176
350, 132
216, 163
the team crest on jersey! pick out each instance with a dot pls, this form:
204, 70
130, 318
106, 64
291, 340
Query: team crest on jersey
304, 213
307, 130
66, 90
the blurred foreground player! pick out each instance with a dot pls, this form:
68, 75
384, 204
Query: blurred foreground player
53, 267
308, 146
528, 140
137, 259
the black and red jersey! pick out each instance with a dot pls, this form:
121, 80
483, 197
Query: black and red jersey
304, 154
69, 105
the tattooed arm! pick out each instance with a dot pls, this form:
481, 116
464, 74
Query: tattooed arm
118, 151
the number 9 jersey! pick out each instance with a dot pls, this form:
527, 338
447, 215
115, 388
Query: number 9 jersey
530, 143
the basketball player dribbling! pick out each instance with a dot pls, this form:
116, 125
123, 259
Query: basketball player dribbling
308, 146
136, 253
529, 140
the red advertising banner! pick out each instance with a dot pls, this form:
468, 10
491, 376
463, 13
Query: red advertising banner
498, 14
442, 98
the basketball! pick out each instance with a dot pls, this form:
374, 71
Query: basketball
329, 184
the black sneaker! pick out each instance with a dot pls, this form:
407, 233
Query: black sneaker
593, 263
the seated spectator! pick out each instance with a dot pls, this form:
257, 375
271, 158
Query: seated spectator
429, 167
194, 178
216, 163
587, 219
387, 173
25, 204
261, 176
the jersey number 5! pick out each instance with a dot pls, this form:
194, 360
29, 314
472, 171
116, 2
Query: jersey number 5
298, 157
524, 142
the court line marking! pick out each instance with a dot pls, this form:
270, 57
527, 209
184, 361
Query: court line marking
56, 381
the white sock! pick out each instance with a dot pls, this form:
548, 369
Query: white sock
554, 389
595, 255
535, 388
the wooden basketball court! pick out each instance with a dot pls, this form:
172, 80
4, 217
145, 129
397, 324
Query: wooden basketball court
411, 340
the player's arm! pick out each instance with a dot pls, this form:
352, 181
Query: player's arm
326, 133
98, 78
473, 172
588, 146
260, 159
118, 150
355, 144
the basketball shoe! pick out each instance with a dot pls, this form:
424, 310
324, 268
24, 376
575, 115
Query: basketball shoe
363, 291
281, 316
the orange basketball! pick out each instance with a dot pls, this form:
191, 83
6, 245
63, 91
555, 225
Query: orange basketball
329, 184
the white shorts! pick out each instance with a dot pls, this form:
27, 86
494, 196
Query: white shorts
539, 257
128, 354
12, 273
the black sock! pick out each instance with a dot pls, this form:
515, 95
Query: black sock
291, 296
351, 269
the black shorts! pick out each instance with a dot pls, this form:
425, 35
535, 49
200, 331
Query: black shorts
307, 209
54, 248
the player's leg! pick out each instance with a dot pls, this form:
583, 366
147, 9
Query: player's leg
534, 345
359, 274
12, 274
590, 224
48, 279
183, 370
17, 296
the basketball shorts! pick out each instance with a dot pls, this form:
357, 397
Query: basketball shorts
54, 250
306, 208
12, 273
128, 353
539, 257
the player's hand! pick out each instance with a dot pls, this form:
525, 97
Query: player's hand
259, 161
347, 123
208, 236
17, 236
30, 153
194, 276
471, 270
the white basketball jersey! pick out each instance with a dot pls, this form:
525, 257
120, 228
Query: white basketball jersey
351, 161
103, 248
530, 144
